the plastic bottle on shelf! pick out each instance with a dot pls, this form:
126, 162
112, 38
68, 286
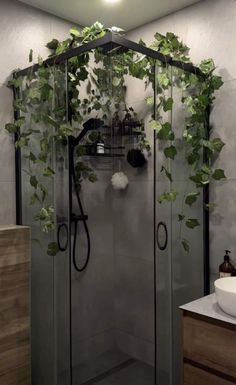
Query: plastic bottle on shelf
100, 145
127, 123
116, 123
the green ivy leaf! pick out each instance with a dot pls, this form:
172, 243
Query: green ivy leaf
11, 128
210, 206
168, 196
206, 169
163, 80
33, 94
53, 249
43, 191
191, 198
20, 121
53, 44
192, 223
34, 198
217, 144
193, 158
31, 56
168, 104
180, 217
74, 31
185, 245
154, 125
48, 171
34, 181
170, 152
16, 82
150, 100
207, 66
31, 157
116, 81
22, 142
216, 82
218, 174
201, 179
166, 133
168, 174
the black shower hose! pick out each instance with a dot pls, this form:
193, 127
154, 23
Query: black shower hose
83, 219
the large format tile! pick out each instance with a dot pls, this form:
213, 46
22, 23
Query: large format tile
133, 211
222, 223
203, 21
92, 298
87, 350
22, 28
134, 297
135, 347
223, 119
7, 153
7, 207
198, 23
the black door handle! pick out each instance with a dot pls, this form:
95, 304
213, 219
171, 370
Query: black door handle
62, 227
162, 244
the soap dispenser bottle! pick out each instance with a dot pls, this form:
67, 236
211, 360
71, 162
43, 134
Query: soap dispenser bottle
226, 269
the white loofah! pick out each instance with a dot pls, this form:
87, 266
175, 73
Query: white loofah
119, 181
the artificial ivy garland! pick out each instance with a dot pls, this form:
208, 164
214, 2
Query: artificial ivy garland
36, 100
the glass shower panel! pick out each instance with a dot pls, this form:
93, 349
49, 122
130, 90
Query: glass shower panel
187, 268
163, 234
179, 273
113, 297
44, 204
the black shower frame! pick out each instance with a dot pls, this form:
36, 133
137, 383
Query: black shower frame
108, 42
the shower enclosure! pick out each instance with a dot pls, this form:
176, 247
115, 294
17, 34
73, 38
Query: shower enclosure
105, 305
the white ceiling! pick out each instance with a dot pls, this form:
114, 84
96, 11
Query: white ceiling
126, 14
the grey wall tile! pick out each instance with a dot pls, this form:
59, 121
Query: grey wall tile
23, 28
90, 349
7, 206
199, 23
223, 118
135, 347
134, 297
92, 298
133, 221
7, 153
222, 225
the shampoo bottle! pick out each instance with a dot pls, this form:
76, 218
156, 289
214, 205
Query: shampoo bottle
226, 269
100, 145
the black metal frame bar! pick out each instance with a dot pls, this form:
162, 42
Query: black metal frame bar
18, 182
206, 218
114, 41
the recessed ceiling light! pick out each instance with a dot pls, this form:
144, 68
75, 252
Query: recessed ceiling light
111, 1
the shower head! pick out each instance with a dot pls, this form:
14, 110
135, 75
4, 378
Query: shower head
91, 124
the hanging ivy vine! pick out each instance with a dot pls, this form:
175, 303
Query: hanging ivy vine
41, 102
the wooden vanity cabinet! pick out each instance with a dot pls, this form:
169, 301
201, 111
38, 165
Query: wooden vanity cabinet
14, 305
209, 351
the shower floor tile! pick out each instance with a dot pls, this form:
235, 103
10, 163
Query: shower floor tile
137, 373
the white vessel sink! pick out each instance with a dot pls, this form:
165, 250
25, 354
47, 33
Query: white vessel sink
225, 289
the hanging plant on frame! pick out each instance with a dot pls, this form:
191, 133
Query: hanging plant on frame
37, 106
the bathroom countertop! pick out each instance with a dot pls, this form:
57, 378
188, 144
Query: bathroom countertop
208, 307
